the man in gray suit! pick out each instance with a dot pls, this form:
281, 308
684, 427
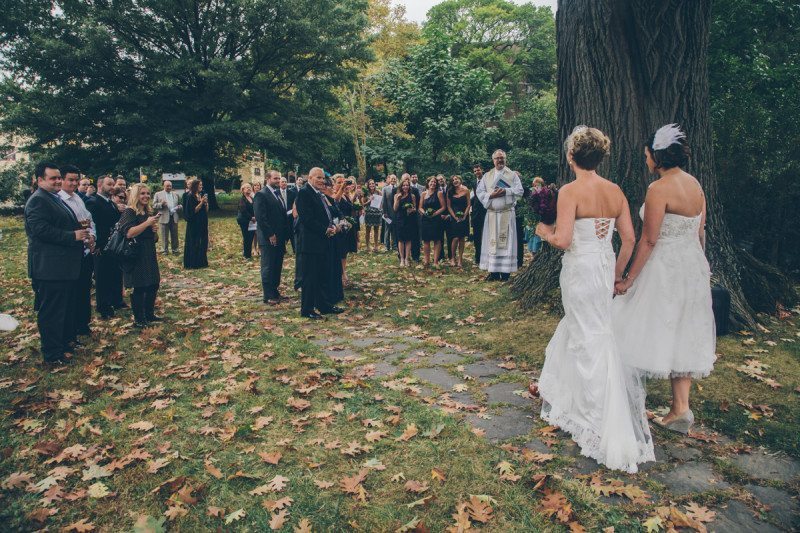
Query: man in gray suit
389, 237
168, 204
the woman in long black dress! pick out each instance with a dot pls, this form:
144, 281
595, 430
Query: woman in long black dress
405, 209
432, 205
139, 222
195, 210
458, 227
347, 239
245, 217
333, 287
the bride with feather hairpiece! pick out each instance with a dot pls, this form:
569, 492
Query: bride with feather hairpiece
663, 319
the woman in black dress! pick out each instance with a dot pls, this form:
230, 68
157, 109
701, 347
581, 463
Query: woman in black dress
333, 286
373, 217
142, 275
347, 239
245, 218
405, 209
432, 205
195, 210
458, 227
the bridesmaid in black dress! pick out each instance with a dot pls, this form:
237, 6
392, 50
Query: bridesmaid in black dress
432, 205
195, 210
405, 209
458, 206
332, 285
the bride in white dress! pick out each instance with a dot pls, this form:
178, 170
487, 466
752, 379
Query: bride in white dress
584, 386
663, 316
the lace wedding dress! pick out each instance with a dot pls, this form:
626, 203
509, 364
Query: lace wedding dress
584, 386
665, 323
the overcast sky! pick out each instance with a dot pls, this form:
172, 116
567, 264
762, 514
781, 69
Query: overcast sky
416, 9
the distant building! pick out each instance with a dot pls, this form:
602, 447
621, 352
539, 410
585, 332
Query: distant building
251, 167
11, 152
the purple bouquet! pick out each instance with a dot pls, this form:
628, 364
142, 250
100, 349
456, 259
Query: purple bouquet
544, 202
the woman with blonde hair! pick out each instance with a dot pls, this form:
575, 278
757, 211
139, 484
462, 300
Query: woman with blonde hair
246, 219
139, 222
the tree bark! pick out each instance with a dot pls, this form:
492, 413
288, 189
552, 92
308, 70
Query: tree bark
628, 67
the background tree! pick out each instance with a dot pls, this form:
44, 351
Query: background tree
532, 137
122, 84
628, 67
515, 43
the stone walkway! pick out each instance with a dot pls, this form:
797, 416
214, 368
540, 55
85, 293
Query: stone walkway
750, 490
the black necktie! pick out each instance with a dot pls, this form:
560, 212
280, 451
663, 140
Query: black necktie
325, 205
279, 198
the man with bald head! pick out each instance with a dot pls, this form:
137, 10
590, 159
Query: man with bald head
314, 226
168, 204
107, 273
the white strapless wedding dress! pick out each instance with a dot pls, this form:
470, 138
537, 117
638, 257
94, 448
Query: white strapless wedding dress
585, 388
665, 323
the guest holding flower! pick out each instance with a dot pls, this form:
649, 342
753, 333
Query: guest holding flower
372, 215
405, 210
458, 206
195, 209
246, 219
139, 222
432, 205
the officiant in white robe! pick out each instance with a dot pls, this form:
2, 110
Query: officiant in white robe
499, 191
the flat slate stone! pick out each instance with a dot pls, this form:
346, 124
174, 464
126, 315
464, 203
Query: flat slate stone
761, 465
784, 509
484, 370
400, 347
537, 446
505, 424
463, 397
445, 358
437, 376
736, 517
339, 355
504, 393
682, 453
690, 477
320, 342
383, 369
365, 341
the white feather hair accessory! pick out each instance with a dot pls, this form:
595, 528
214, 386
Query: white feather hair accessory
667, 135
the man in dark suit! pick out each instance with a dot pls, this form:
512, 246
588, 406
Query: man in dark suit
389, 236
272, 231
107, 272
477, 214
289, 195
55, 249
315, 226
416, 242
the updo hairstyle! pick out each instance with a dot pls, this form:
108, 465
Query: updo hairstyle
587, 146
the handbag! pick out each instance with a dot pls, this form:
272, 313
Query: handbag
121, 247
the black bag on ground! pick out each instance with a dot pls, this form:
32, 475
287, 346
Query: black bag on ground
124, 249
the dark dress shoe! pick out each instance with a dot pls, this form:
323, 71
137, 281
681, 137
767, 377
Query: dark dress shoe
56, 362
273, 301
312, 316
105, 314
139, 324
335, 310
121, 305
155, 318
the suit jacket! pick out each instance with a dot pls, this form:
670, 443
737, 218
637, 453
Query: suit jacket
53, 252
477, 213
388, 201
105, 215
271, 217
160, 204
312, 222
291, 197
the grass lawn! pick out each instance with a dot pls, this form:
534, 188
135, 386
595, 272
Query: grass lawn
232, 416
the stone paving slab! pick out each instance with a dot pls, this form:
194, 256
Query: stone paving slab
504, 393
437, 376
484, 370
681, 453
365, 342
689, 478
784, 509
504, 424
340, 355
445, 358
736, 517
761, 465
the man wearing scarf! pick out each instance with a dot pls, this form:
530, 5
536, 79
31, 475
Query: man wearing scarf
499, 191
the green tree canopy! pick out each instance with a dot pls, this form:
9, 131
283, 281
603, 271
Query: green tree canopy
118, 84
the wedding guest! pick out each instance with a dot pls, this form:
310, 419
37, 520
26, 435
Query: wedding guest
257, 187
27, 193
272, 231
105, 212
534, 241
445, 249
120, 183
82, 303
387, 206
477, 214
83, 188
349, 237
246, 219
663, 319
120, 196
90, 190
519, 218
168, 204
291, 179
372, 215
405, 208
333, 285
432, 206
195, 211
416, 242
55, 248
315, 228
289, 195
140, 222
458, 207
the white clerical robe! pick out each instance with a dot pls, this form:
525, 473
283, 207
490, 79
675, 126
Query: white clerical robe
499, 244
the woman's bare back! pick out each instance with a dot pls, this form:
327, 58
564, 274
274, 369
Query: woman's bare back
597, 198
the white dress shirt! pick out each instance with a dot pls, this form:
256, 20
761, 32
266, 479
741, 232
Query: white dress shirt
75, 203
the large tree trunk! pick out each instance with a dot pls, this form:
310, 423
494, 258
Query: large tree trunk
628, 67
